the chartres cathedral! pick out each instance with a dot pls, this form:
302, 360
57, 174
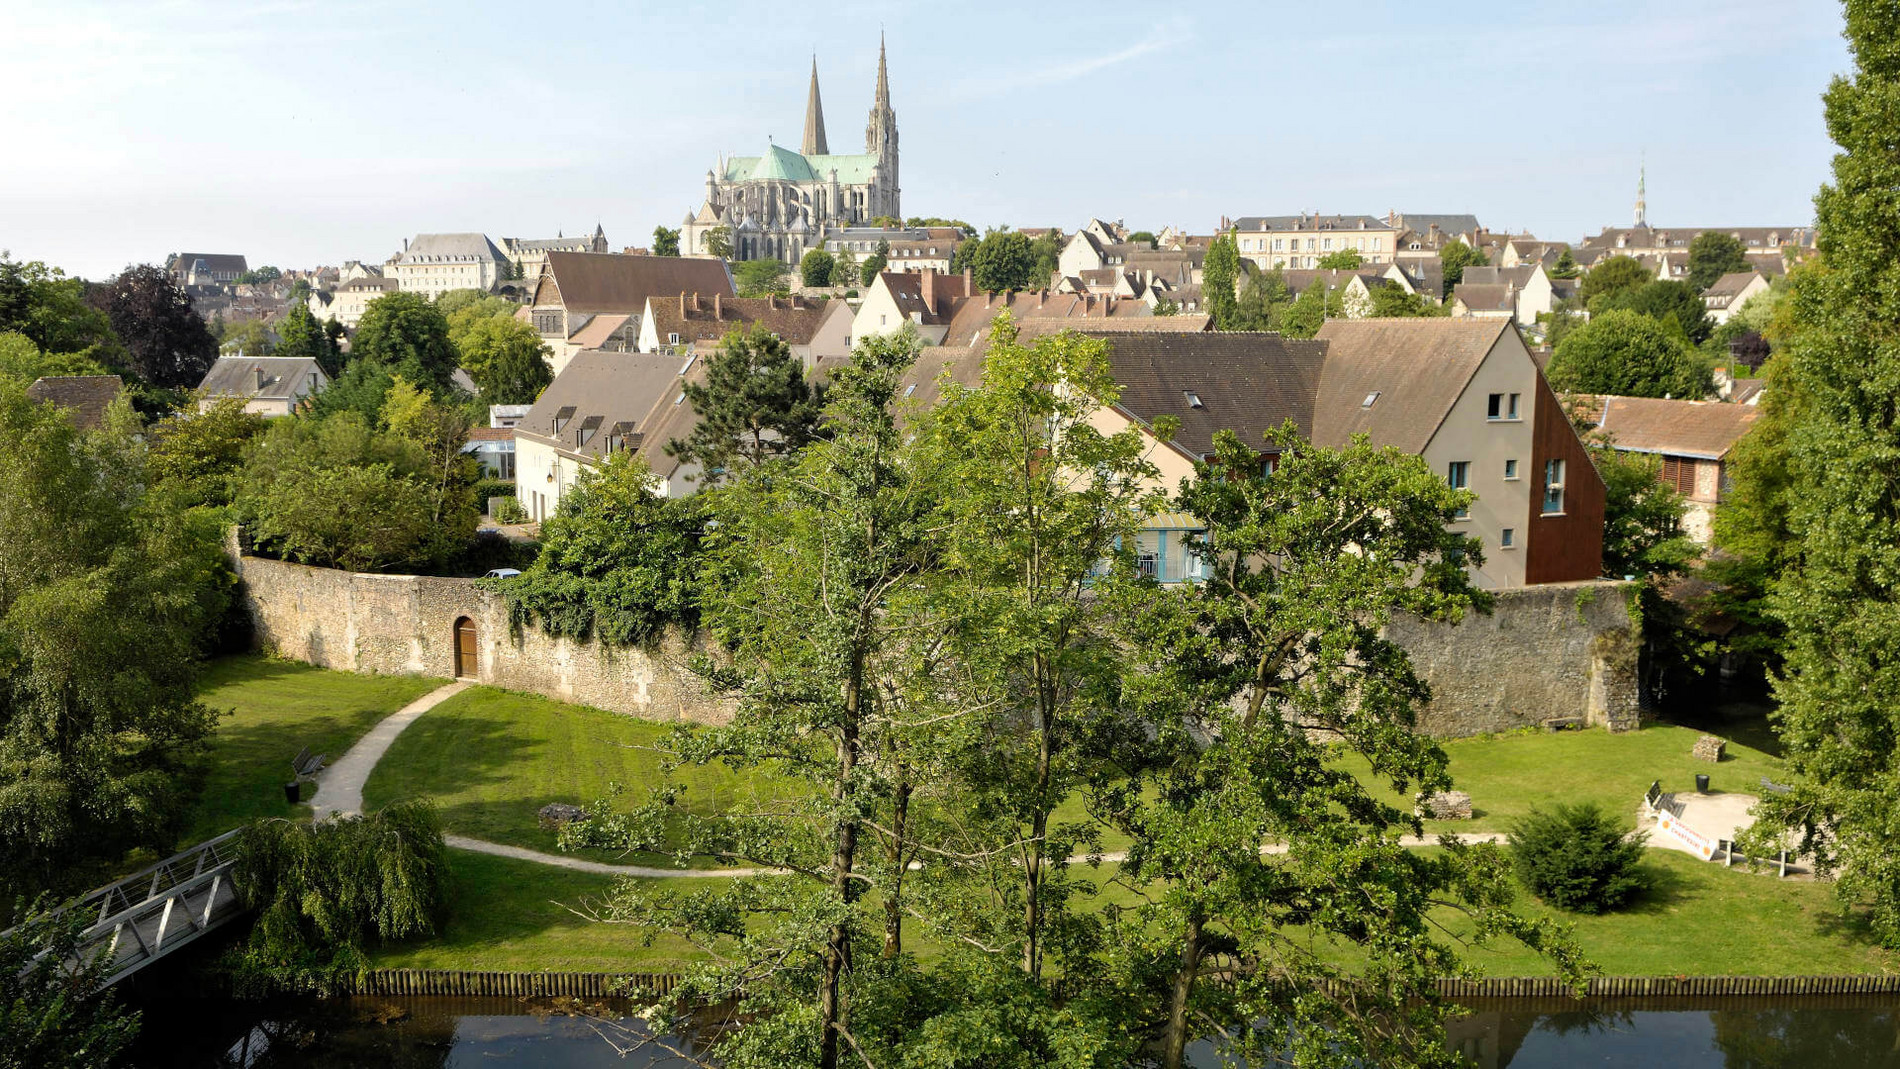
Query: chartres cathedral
782, 203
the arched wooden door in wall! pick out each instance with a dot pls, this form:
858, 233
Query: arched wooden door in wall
465, 662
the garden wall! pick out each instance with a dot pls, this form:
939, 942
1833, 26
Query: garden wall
405, 625
1560, 651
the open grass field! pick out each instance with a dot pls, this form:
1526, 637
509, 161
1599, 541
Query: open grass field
1508, 774
276, 708
517, 916
491, 759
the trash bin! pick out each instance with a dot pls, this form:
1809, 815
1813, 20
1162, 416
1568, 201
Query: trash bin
293, 792
1702, 783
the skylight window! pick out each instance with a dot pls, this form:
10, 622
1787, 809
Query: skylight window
1371, 397
1193, 399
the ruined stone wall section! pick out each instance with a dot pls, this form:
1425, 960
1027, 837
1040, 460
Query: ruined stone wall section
1555, 652
405, 625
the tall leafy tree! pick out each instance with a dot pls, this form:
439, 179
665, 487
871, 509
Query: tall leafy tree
1840, 597
53, 1014
1004, 261
1628, 353
50, 308
1455, 257
406, 334
108, 596
666, 241
1245, 828
1611, 275
506, 358
718, 242
1713, 254
815, 268
300, 335
1220, 274
1342, 260
1673, 303
754, 405
196, 454
166, 340
1566, 265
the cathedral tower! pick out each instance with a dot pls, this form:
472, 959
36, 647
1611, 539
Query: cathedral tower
814, 119
880, 134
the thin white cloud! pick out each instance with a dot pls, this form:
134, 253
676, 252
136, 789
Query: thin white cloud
1166, 35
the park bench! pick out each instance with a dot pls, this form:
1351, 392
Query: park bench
1774, 788
305, 766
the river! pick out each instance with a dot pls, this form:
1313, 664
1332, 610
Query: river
443, 1033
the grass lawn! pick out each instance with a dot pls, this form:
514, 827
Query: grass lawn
514, 916
492, 758
1508, 774
278, 707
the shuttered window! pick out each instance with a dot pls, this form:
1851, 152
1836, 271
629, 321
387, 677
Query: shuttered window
1679, 472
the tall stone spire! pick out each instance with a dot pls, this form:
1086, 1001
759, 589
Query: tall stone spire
814, 119
1642, 208
880, 134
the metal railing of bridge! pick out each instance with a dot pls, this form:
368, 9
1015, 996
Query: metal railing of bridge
156, 910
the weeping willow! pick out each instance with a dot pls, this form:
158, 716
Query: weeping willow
324, 892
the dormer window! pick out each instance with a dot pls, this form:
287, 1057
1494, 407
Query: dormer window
589, 427
563, 417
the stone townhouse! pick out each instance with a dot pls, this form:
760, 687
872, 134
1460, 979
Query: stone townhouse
205, 270
1692, 438
586, 300
1301, 241
351, 298
433, 264
530, 254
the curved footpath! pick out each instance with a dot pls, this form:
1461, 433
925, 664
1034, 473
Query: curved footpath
340, 791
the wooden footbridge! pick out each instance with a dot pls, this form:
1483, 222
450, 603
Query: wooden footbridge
156, 910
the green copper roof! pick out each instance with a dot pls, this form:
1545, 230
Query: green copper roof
784, 165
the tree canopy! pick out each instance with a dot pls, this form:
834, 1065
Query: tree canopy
1628, 353
816, 267
666, 241
1220, 274
1611, 275
506, 358
166, 340
1342, 260
759, 278
1676, 304
755, 404
1002, 261
1455, 257
406, 334
1713, 254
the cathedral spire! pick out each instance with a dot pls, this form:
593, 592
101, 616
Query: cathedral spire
1642, 207
883, 102
814, 118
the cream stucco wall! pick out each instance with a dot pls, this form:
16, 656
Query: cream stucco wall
1298, 249
879, 314
1468, 434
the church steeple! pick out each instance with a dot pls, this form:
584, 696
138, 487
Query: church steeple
1642, 208
814, 144
880, 134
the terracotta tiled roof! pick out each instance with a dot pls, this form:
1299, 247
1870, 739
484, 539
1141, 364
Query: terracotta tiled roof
86, 396
1701, 429
1412, 370
970, 325
711, 317
603, 282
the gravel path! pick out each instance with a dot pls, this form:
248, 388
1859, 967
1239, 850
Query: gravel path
480, 846
340, 787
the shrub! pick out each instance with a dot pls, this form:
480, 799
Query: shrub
488, 488
1579, 859
509, 510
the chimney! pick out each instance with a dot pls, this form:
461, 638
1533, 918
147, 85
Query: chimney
928, 286
258, 372
717, 314
969, 281
695, 300
682, 299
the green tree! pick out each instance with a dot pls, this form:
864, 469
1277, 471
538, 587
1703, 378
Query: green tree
1311, 309
1754, 526
452, 302
1642, 517
666, 242
618, 562
1838, 724
816, 268
166, 340
845, 271
248, 336
108, 598
759, 278
1220, 274
23, 362
874, 265
886, 222
916, 222
1389, 299
718, 242
196, 455
1246, 690
1713, 254
1668, 302
1566, 265
1454, 258
506, 358
1142, 237
405, 334
822, 561
51, 310
1342, 260
55, 1014
300, 335
259, 275
1628, 353
1262, 299
1005, 261
755, 404
1046, 250
1611, 275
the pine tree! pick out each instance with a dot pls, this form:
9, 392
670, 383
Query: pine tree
755, 404
1840, 596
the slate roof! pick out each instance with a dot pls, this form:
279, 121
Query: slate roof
86, 396
1308, 223
603, 282
1244, 382
284, 378
1731, 284
215, 262
1702, 429
1417, 367
438, 248
1448, 225
1485, 296
626, 393
695, 318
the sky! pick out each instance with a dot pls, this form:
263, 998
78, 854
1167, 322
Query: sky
302, 133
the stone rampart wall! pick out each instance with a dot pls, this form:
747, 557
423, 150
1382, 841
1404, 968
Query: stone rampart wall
1562, 652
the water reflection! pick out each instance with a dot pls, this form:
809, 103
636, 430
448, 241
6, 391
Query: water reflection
497, 1033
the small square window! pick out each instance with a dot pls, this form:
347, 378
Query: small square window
1510, 470
1507, 538
1494, 406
